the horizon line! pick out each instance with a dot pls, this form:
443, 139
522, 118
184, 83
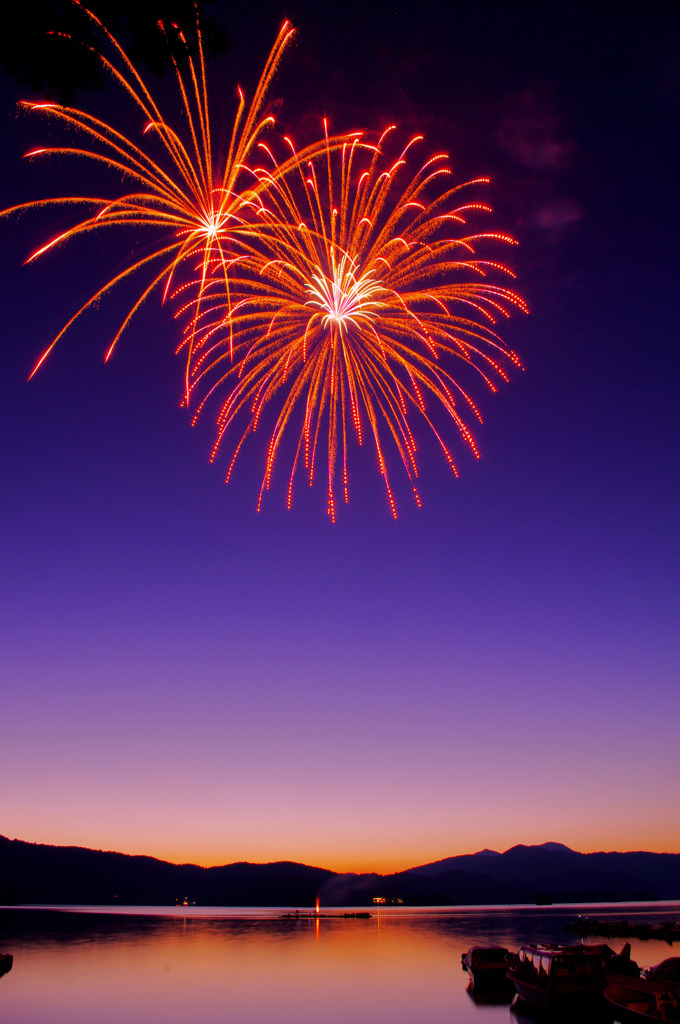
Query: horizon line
485, 851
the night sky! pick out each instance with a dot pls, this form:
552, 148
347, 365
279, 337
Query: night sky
186, 678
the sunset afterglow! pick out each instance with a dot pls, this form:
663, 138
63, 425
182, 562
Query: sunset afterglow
464, 634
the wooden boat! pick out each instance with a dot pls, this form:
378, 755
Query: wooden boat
557, 976
635, 1003
6, 961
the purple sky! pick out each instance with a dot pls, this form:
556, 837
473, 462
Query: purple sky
185, 678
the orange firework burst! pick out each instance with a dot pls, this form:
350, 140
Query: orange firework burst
354, 319
203, 209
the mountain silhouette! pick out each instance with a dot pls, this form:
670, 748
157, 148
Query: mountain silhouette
551, 872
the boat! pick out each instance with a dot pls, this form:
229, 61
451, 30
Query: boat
557, 976
668, 972
486, 965
644, 1000
6, 961
488, 970
616, 965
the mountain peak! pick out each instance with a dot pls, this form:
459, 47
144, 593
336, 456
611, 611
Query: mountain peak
548, 847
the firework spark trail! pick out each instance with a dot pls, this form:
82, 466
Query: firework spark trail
201, 211
353, 313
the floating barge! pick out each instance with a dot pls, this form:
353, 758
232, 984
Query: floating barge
622, 928
313, 915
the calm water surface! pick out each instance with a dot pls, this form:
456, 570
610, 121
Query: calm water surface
206, 966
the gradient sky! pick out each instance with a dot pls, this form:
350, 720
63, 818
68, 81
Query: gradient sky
188, 679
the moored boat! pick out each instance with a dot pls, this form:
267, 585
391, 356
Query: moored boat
487, 966
668, 972
557, 976
616, 965
635, 1003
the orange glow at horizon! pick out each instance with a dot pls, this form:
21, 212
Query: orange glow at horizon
352, 861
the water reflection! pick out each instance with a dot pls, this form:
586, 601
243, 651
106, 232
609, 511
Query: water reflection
209, 967
500, 996
524, 1013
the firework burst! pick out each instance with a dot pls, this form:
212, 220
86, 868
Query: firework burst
352, 320
200, 208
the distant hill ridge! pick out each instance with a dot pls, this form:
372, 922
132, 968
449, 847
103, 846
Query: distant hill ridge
35, 873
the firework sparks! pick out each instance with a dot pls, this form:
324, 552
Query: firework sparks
369, 295
201, 210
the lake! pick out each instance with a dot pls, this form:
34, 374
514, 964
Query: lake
251, 966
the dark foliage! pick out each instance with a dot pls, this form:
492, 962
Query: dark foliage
51, 45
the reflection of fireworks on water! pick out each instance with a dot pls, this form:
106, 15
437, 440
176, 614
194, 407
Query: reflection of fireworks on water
354, 318
175, 189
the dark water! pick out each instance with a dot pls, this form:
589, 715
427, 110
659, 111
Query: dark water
206, 966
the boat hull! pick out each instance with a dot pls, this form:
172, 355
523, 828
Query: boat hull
644, 1001
487, 967
549, 997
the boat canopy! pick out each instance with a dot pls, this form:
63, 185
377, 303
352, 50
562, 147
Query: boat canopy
560, 961
486, 956
667, 970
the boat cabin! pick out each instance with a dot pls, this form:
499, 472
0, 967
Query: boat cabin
559, 962
547, 975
